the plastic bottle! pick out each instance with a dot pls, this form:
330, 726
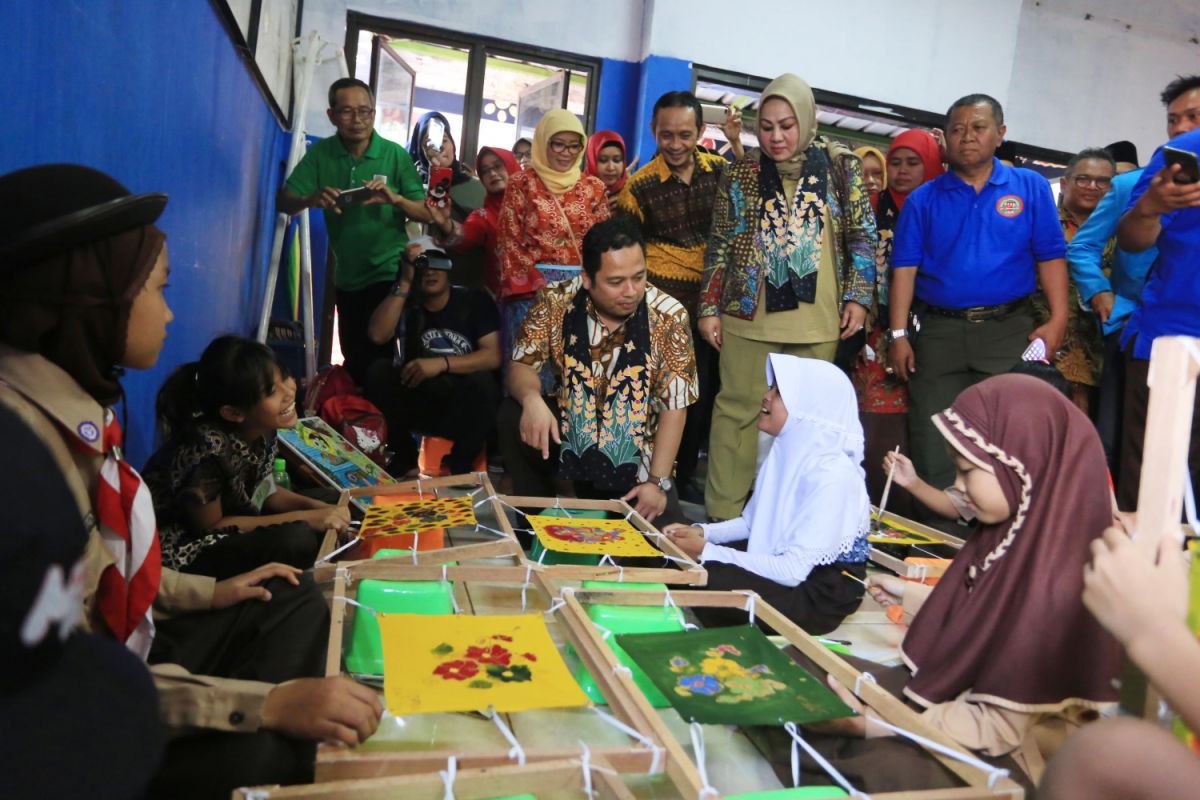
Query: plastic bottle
280, 474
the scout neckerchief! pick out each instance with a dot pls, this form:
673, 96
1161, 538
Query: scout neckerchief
791, 230
603, 436
125, 512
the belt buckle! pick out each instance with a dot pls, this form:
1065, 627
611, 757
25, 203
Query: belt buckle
976, 315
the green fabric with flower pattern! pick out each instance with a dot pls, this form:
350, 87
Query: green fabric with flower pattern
731, 676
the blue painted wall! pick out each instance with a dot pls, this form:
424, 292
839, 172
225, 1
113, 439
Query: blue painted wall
616, 109
659, 74
152, 92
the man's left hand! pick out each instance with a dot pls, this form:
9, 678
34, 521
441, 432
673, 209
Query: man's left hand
853, 318
381, 193
1052, 333
651, 501
419, 370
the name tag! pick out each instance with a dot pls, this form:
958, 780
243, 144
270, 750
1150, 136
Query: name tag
265, 488
378, 177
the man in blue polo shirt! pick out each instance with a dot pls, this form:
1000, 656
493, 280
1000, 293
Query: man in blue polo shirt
366, 230
1165, 213
971, 247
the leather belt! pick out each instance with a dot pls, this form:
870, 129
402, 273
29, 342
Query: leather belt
978, 313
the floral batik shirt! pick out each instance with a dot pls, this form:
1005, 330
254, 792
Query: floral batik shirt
670, 364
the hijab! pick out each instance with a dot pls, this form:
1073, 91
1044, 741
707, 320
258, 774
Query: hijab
598, 141
926, 147
1006, 623
810, 494
493, 201
558, 120
73, 308
862, 153
792, 89
421, 160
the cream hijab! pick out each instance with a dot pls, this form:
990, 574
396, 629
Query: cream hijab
792, 89
558, 120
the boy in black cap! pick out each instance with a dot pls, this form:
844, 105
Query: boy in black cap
82, 274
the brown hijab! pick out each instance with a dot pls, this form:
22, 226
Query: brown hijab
73, 308
1006, 624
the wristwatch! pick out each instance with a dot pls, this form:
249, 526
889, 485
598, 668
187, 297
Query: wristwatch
396, 291
666, 484
896, 333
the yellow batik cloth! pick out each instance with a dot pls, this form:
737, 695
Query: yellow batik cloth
609, 537
417, 515
891, 532
467, 663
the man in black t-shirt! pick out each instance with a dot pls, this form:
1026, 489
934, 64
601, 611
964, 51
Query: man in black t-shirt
441, 380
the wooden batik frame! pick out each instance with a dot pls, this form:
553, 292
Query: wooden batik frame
335, 763
889, 708
898, 565
686, 571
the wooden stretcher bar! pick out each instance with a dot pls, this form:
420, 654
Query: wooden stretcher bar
506, 546
686, 571
336, 763
560, 777
898, 565
890, 708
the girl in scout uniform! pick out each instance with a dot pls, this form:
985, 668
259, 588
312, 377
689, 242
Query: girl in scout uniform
219, 511
82, 278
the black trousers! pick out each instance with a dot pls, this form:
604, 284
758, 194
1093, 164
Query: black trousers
354, 310
275, 641
458, 407
293, 543
1110, 401
818, 604
699, 414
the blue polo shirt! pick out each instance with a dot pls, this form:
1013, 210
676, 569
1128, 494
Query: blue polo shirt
978, 249
1171, 299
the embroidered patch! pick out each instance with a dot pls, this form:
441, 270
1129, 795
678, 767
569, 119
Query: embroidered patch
1010, 206
88, 431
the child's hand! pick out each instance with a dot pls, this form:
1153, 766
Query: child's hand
232, 591
1128, 594
905, 474
323, 709
335, 517
688, 538
888, 590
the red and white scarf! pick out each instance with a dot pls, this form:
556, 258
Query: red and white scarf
125, 512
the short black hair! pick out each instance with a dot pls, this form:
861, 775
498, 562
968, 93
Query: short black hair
347, 83
1181, 84
522, 140
679, 100
1098, 153
616, 233
978, 99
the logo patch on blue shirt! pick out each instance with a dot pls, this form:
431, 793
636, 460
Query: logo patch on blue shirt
1010, 206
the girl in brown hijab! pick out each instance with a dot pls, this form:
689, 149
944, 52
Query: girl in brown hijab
1002, 655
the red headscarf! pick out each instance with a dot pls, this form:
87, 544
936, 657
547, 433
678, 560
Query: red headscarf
493, 201
926, 147
597, 142
1006, 624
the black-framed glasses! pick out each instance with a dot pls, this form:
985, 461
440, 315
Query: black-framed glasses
559, 147
345, 112
1099, 182
497, 168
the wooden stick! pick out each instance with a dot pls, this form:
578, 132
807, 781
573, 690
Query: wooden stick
337, 618
854, 578
887, 489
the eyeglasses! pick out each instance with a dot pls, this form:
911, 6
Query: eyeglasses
497, 168
351, 113
1092, 180
563, 147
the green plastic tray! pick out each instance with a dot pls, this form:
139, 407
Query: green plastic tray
365, 656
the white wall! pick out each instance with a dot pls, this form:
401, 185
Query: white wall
608, 29
919, 53
1078, 83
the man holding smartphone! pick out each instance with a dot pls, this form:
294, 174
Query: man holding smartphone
368, 188
1163, 211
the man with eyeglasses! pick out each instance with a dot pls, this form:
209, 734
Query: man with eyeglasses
1089, 176
367, 228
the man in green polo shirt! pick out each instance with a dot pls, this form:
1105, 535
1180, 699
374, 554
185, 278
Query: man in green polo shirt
367, 236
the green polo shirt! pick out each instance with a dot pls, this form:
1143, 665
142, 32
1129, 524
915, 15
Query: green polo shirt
367, 241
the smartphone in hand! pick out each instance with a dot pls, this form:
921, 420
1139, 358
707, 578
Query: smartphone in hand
350, 197
1189, 168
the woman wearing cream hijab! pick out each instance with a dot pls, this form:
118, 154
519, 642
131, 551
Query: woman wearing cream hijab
548, 207
790, 268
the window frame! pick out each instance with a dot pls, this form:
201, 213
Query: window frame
478, 49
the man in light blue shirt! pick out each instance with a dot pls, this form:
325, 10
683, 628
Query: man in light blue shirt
1112, 298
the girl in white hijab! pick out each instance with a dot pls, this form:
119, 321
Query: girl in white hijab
808, 517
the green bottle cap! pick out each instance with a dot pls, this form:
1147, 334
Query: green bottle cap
280, 465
